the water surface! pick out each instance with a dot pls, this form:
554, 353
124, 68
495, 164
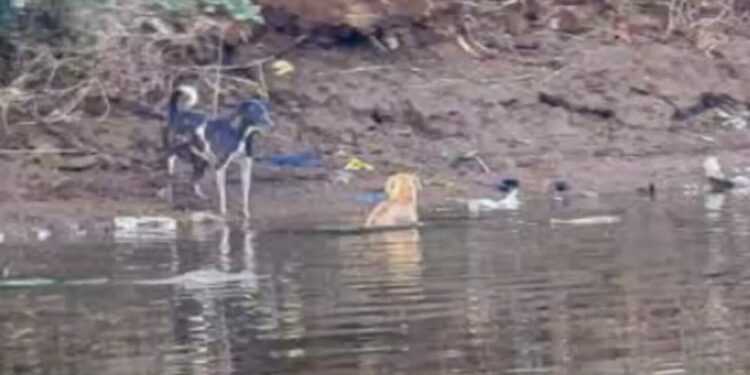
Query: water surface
663, 292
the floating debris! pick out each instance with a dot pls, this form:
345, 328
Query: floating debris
718, 180
42, 234
2, 237
509, 202
589, 220
152, 227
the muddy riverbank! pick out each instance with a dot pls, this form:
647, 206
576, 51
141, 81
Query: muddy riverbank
415, 109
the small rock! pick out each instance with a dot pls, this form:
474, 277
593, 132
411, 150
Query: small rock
567, 20
78, 163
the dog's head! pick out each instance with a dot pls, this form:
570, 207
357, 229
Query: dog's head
507, 185
255, 113
403, 187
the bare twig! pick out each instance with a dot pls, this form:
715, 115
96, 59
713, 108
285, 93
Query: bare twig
40, 151
217, 86
262, 81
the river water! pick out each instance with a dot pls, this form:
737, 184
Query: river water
664, 291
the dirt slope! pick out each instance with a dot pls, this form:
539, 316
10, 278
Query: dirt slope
587, 108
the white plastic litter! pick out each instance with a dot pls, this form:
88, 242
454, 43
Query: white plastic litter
145, 227
2, 237
712, 170
509, 202
588, 220
42, 234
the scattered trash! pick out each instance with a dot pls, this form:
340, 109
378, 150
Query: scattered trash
298, 160
509, 202
357, 164
42, 234
282, 68
718, 180
590, 220
152, 227
343, 177
370, 198
736, 121
734, 112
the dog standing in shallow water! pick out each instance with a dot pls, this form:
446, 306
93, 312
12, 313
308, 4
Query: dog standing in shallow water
214, 142
400, 208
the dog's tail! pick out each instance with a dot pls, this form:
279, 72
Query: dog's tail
174, 100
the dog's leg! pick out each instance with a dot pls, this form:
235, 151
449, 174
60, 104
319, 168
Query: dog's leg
169, 189
221, 186
171, 161
199, 170
247, 179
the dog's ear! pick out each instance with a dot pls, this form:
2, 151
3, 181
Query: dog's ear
390, 185
417, 182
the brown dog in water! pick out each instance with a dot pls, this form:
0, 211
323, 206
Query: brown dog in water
400, 208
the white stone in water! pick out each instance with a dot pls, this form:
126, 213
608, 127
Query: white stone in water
42, 234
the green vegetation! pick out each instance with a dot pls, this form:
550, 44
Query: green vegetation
63, 53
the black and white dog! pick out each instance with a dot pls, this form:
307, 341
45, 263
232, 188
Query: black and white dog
216, 142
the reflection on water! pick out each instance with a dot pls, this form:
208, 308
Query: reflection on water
663, 292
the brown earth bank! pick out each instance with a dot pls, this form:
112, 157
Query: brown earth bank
586, 108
